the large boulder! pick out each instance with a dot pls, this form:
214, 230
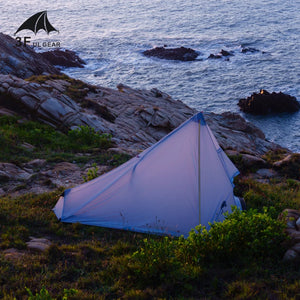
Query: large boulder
264, 102
22, 61
182, 53
64, 58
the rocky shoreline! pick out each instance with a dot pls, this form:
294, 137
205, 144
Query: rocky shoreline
136, 119
33, 88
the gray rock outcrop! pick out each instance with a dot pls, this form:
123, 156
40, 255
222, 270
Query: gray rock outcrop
234, 132
22, 61
45, 103
64, 58
136, 118
10, 171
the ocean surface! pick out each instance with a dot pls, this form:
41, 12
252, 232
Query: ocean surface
111, 35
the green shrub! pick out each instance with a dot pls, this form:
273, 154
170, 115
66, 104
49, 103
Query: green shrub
14, 237
155, 260
242, 290
242, 236
279, 196
91, 173
85, 135
54, 254
44, 78
47, 142
177, 264
44, 294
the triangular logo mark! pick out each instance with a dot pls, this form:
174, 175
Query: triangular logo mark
37, 22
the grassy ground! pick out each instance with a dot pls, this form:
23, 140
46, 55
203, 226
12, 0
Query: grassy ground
54, 146
238, 260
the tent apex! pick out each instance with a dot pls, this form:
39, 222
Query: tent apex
199, 118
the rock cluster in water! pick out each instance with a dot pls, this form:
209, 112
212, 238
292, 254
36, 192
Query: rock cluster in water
222, 53
250, 50
65, 58
188, 54
182, 53
264, 103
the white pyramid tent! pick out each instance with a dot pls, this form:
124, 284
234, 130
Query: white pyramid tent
183, 180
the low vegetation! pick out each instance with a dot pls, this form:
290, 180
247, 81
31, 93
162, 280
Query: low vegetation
22, 141
288, 168
91, 173
240, 258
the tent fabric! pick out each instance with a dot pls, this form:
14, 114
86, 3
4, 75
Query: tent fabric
183, 180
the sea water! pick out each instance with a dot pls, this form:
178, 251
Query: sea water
110, 35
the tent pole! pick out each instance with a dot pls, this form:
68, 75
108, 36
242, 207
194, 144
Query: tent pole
199, 174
